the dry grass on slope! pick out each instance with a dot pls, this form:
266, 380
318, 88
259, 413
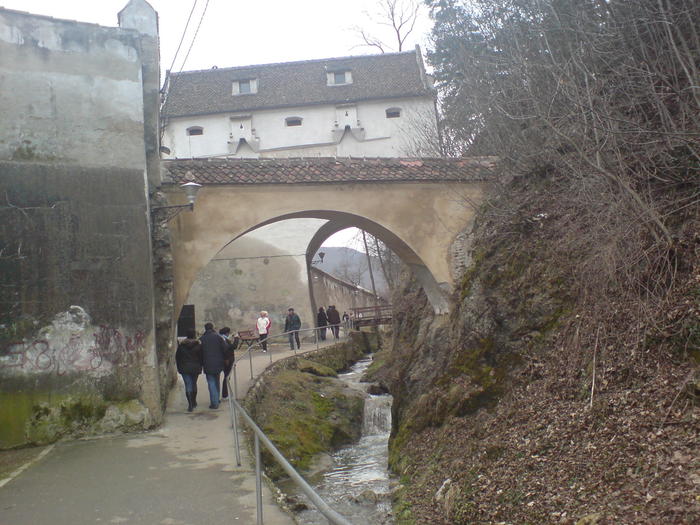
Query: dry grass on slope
598, 412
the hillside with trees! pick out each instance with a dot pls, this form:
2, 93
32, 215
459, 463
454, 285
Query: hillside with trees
564, 386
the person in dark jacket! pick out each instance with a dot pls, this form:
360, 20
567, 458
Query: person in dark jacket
292, 324
188, 358
322, 322
334, 320
231, 345
214, 350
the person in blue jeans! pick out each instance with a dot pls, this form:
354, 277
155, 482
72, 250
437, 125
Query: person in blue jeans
214, 350
292, 324
188, 358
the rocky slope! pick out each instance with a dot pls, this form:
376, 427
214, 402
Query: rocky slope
563, 388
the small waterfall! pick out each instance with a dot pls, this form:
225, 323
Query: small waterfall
357, 484
377, 416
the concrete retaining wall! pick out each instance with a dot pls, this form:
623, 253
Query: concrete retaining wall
329, 290
76, 312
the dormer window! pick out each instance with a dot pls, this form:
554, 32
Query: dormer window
292, 121
339, 78
393, 113
245, 87
195, 130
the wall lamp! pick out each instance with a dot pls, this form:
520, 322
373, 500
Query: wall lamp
165, 213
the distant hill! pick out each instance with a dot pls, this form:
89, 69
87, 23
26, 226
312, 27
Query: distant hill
350, 265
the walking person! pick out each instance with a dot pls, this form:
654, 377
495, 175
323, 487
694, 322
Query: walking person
231, 345
321, 323
346, 321
263, 327
213, 357
188, 358
292, 324
334, 321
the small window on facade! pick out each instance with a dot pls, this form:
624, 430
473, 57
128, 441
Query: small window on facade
393, 113
195, 130
245, 87
293, 121
339, 78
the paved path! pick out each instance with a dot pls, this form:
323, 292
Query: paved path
181, 474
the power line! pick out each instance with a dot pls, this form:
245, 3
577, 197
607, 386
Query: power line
165, 88
201, 18
258, 257
182, 38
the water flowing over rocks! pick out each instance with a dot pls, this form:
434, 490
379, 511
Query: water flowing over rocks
356, 483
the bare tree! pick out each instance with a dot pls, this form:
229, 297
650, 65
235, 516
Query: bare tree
352, 269
604, 89
421, 135
601, 94
400, 16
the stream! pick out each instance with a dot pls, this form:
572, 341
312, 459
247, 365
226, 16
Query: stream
357, 483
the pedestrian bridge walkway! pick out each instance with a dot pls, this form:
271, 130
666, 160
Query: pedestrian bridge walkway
184, 473
417, 207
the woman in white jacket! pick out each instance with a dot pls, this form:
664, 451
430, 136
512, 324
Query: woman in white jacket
263, 327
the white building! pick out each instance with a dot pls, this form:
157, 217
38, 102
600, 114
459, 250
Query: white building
373, 106
363, 106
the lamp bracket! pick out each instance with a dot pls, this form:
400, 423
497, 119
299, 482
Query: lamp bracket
164, 214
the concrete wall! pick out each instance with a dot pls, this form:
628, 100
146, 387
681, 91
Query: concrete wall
247, 276
329, 290
76, 313
382, 137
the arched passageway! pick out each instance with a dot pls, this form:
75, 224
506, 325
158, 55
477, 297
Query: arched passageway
416, 207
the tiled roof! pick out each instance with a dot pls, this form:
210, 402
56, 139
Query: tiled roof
327, 170
296, 84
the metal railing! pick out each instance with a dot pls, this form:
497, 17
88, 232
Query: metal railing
259, 436
257, 345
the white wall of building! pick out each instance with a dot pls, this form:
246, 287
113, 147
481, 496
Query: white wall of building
372, 133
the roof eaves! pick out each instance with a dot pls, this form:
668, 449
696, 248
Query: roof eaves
298, 62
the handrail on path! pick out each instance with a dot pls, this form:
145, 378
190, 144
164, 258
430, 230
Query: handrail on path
235, 408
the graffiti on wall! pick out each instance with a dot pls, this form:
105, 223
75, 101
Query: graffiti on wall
72, 344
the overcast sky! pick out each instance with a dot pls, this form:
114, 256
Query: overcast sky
239, 32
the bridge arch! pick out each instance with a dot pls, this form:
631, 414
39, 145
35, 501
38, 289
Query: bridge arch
338, 221
416, 207
436, 294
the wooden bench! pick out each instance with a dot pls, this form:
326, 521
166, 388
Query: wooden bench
249, 337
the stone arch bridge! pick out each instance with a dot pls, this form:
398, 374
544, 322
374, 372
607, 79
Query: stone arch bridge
416, 206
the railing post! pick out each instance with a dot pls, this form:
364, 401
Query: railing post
316, 337
235, 380
258, 480
234, 421
250, 356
